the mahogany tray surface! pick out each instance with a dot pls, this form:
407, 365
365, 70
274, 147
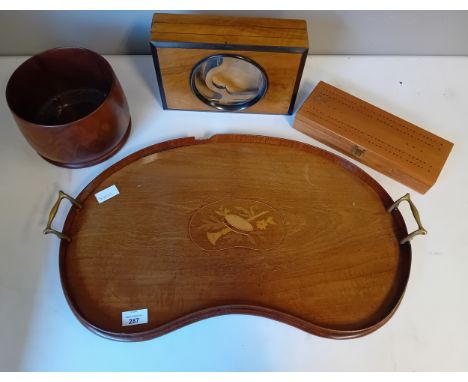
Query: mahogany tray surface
235, 224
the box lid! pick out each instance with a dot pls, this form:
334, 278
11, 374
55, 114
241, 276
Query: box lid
391, 145
205, 31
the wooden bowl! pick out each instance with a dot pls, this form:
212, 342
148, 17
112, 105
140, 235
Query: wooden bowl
70, 106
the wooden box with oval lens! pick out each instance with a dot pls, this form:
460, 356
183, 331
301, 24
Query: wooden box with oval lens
223, 63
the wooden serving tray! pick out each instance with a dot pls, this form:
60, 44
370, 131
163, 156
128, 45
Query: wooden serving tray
234, 224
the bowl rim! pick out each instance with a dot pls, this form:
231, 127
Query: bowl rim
69, 49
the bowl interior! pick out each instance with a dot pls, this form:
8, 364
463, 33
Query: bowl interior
59, 86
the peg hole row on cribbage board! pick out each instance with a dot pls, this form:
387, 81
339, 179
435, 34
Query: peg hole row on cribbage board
409, 130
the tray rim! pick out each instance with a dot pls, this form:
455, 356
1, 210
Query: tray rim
309, 327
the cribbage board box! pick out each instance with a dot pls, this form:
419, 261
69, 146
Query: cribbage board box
403, 151
223, 63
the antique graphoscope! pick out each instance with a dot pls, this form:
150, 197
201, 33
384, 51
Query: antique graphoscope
221, 63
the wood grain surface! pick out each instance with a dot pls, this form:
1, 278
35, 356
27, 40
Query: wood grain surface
82, 141
228, 30
235, 224
176, 66
180, 41
391, 145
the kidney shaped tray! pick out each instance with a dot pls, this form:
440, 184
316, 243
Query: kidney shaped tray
234, 224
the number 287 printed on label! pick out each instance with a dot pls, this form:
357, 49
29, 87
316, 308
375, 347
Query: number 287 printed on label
135, 317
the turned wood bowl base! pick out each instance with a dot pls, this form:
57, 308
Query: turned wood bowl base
97, 160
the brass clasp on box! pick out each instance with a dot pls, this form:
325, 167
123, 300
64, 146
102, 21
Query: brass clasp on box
421, 230
357, 151
48, 229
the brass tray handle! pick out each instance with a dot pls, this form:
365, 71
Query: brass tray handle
48, 229
421, 230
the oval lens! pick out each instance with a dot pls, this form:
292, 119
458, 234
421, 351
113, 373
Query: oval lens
228, 82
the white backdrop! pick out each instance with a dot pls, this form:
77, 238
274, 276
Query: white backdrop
330, 32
